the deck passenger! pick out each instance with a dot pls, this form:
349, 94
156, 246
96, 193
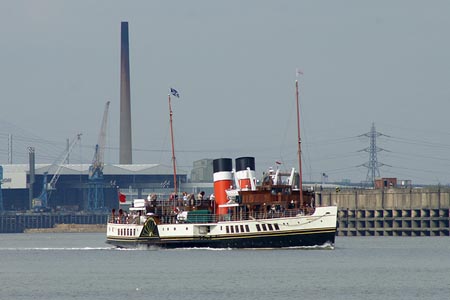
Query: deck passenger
200, 198
185, 199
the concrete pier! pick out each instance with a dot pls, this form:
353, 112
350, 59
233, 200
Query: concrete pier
384, 212
393, 222
390, 212
12, 222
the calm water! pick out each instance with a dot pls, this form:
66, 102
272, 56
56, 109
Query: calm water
82, 266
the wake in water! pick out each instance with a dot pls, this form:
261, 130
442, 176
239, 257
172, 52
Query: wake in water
58, 249
326, 246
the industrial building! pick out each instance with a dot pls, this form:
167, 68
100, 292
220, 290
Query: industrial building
71, 191
202, 171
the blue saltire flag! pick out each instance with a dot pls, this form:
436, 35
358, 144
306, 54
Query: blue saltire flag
174, 92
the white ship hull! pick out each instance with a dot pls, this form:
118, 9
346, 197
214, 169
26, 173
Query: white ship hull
310, 230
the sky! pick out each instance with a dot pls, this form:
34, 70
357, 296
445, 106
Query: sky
234, 65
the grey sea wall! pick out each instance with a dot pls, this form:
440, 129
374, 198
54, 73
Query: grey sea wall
17, 222
380, 212
391, 211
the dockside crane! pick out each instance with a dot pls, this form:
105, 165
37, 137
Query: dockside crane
96, 182
41, 203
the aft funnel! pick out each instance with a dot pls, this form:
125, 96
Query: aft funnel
245, 173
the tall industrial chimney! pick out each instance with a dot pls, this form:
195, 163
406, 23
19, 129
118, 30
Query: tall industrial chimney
125, 156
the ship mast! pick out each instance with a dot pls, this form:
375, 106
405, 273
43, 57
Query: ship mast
173, 149
300, 179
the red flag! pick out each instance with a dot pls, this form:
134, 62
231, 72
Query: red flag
122, 198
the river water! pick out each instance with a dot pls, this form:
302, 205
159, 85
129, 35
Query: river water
82, 266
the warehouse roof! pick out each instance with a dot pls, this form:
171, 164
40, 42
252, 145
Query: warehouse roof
76, 169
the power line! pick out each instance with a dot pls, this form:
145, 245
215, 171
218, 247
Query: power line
373, 164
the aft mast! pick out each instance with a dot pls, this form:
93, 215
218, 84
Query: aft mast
300, 179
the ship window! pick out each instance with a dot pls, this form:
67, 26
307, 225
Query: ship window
134, 231
258, 227
174, 228
264, 227
228, 229
270, 226
186, 229
242, 228
237, 228
247, 228
276, 226
232, 229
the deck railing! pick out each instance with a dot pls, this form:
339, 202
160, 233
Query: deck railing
201, 216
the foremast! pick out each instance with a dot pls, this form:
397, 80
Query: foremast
175, 187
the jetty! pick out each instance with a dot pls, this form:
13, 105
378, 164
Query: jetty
18, 222
361, 212
390, 211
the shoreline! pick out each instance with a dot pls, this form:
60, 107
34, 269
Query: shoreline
70, 228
